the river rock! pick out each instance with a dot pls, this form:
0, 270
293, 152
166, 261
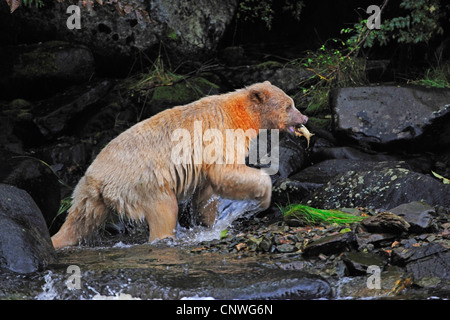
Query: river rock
25, 244
302, 184
385, 222
431, 260
388, 114
331, 244
418, 214
357, 263
386, 188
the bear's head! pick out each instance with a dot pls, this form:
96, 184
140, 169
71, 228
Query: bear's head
274, 108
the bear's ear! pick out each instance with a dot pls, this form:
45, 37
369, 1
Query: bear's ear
258, 95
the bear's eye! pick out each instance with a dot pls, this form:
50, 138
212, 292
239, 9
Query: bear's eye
289, 107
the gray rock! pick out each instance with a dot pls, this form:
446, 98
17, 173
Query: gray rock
386, 188
25, 244
418, 214
432, 260
187, 29
385, 114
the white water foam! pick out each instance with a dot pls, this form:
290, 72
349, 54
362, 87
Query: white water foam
49, 291
229, 211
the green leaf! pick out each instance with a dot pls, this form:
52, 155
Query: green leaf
223, 234
444, 180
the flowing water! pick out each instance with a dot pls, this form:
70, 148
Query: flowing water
177, 270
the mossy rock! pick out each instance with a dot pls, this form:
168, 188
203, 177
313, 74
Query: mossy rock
54, 60
184, 92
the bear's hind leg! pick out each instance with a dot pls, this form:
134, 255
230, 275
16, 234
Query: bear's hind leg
161, 216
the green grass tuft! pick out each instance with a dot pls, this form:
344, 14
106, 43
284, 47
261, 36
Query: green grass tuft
309, 215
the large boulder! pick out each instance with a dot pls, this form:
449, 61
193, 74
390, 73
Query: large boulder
25, 244
35, 177
30, 70
185, 29
386, 188
416, 117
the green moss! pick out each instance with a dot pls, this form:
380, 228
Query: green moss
176, 94
172, 35
184, 92
19, 109
35, 64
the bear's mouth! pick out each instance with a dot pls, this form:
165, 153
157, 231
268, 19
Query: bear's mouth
292, 129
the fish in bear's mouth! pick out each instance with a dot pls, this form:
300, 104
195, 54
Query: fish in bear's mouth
301, 131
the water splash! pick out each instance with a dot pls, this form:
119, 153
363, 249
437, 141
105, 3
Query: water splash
49, 291
229, 211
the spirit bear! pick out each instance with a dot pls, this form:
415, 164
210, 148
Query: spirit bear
136, 176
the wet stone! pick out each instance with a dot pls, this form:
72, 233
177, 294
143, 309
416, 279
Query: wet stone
357, 263
285, 248
331, 244
385, 222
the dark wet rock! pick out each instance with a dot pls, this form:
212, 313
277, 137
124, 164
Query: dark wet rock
432, 260
54, 115
33, 176
326, 152
385, 222
322, 172
376, 240
25, 244
387, 114
293, 155
386, 188
357, 263
418, 214
286, 191
44, 65
302, 184
278, 285
330, 244
19, 132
